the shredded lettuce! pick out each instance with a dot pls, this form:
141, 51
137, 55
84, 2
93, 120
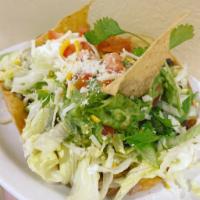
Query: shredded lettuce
116, 170
84, 178
107, 180
68, 163
133, 177
50, 140
38, 123
45, 165
23, 83
172, 141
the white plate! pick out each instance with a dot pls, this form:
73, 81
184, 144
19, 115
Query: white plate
17, 178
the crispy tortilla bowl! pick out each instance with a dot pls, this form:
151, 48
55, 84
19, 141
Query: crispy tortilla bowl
75, 22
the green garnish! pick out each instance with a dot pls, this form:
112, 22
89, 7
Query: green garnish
139, 51
180, 34
44, 96
105, 28
171, 93
39, 85
143, 136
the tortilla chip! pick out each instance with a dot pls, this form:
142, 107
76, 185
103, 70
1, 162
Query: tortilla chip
16, 107
137, 79
74, 22
143, 185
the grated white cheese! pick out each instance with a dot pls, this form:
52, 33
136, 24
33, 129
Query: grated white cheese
176, 124
108, 76
85, 102
83, 62
83, 90
147, 98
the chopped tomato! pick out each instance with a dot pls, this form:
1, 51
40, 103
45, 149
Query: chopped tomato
107, 82
86, 46
115, 44
52, 35
190, 122
69, 50
107, 130
83, 30
82, 81
156, 101
113, 62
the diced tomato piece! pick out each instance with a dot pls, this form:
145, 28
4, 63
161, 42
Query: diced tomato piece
82, 81
83, 30
107, 130
107, 82
190, 122
156, 101
115, 44
52, 35
113, 62
86, 46
69, 50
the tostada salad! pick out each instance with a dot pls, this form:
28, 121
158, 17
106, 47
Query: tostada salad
98, 144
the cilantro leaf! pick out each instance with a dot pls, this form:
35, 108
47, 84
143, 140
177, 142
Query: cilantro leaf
95, 96
160, 122
139, 51
143, 136
180, 34
103, 29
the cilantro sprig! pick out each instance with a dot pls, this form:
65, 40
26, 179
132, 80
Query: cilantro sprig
107, 27
180, 34
103, 28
